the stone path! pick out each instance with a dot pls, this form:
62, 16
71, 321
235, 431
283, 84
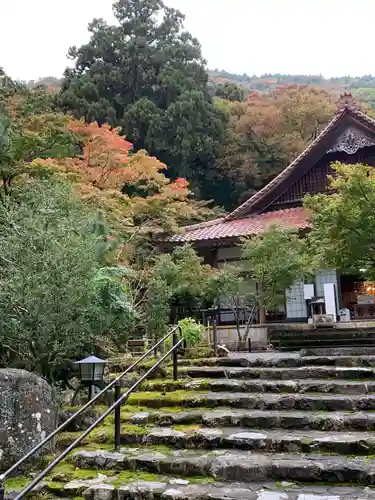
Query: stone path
254, 427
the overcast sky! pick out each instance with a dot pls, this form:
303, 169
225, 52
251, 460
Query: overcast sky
331, 37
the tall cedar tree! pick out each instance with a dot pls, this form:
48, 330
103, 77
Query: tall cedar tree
147, 75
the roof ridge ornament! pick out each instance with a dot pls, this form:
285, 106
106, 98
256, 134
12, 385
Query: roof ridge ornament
347, 101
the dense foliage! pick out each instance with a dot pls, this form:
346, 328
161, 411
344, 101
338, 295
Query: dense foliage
79, 216
147, 75
343, 223
266, 132
54, 297
275, 259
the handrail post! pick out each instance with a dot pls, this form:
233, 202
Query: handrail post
214, 334
2, 489
175, 356
117, 417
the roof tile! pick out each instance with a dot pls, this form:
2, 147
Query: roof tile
291, 218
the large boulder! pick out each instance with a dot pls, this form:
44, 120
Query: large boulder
28, 413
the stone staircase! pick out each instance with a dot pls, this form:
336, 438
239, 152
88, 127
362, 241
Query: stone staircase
295, 340
264, 427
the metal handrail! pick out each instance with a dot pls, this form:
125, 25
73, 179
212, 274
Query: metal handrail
81, 410
100, 419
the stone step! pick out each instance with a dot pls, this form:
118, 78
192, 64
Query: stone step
244, 466
338, 386
177, 490
329, 357
259, 401
277, 441
109, 488
331, 343
303, 372
339, 351
327, 421
324, 335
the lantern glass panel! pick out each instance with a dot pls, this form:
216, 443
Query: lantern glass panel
98, 371
87, 370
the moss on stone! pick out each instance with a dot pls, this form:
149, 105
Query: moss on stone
186, 428
16, 483
158, 399
134, 429
163, 384
307, 442
101, 436
201, 480
128, 476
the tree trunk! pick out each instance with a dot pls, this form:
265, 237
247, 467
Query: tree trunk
262, 309
262, 315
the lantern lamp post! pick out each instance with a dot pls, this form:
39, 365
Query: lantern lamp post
91, 374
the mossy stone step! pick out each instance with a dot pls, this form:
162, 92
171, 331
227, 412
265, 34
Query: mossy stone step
69, 481
164, 488
339, 386
321, 334
323, 420
177, 490
196, 436
328, 357
351, 352
279, 440
303, 372
259, 401
242, 466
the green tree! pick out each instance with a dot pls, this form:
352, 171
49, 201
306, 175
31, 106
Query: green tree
182, 279
30, 128
58, 301
147, 75
366, 95
343, 222
230, 91
275, 259
176, 278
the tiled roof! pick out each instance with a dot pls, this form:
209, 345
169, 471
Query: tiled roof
291, 218
347, 108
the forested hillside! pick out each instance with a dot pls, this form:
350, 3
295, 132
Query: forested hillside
270, 81
227, 134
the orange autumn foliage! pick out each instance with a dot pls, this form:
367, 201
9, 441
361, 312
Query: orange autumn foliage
132, 189
287, 118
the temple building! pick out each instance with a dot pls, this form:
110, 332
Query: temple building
349, 138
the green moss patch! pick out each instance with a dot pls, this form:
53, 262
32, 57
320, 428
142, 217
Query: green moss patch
186, 428
102, 435
159, 399
163, 385
16, 483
